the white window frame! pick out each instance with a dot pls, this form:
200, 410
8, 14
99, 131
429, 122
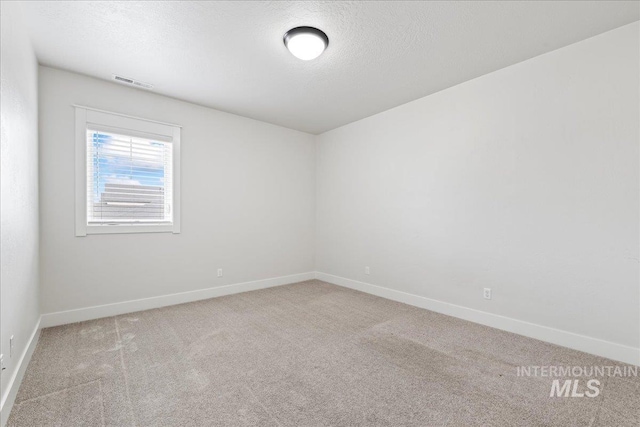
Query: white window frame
134, 126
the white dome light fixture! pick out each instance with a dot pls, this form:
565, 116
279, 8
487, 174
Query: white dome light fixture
306, 43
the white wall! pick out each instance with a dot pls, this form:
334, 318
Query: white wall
525, 180
19, 191
248, 202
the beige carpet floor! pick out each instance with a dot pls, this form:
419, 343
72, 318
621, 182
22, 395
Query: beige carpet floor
308, 354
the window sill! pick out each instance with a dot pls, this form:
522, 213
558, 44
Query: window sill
130, 228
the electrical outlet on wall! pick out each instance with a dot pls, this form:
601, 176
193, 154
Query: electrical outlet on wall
11, 347
487, 293
219, 272
366, 270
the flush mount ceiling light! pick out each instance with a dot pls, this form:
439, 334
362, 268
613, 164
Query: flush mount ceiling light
306, 43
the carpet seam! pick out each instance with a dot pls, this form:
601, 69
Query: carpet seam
262, 405
57, 391
101, 403
124, 372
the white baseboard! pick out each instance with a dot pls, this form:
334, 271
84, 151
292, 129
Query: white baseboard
108, 310
14, 383
571, 340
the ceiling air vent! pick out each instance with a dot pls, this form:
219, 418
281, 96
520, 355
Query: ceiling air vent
132, 82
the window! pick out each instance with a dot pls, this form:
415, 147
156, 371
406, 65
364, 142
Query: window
127, 174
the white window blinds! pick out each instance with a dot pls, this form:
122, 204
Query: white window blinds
129, 178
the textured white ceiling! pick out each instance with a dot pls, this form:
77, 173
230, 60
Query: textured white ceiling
230, 55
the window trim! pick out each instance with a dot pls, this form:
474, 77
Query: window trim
85, 115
